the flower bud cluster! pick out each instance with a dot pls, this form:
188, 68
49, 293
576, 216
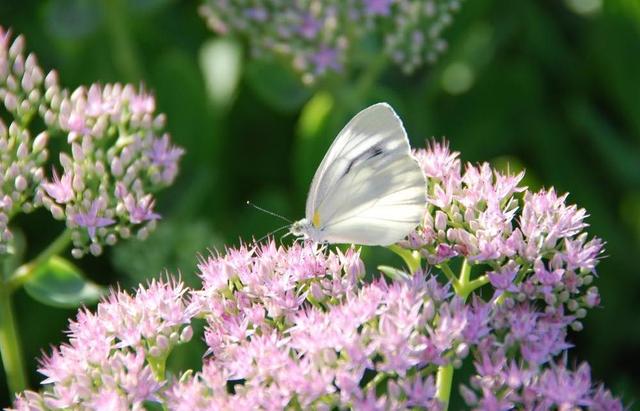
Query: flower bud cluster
21, 172
321, 36
533, 242
22, 155
119, 157
21, 79
115, 153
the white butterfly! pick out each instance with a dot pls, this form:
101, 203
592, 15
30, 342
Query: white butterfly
369, 189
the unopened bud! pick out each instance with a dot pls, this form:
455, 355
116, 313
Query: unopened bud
186, 334
162, 342
20, 183
10, 102
111, 239
57, 212
40, 142
95, 249
155, 352
51, 80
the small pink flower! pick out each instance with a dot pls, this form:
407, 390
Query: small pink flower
91, 220
60, 189
141, 210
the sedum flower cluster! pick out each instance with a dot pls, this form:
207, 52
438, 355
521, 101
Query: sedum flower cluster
22, 155
533, 243
320, 36
113, 153
304, 327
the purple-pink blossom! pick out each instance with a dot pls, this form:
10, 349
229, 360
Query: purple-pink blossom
140, 210
91, 220
60, 188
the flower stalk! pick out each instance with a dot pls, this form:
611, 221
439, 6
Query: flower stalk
10, 347
410, 258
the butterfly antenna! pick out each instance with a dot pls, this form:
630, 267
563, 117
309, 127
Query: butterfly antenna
273, 232
249, 203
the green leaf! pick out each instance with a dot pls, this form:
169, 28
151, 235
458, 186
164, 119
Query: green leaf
152, 406
221, 64
59, 283
278, 86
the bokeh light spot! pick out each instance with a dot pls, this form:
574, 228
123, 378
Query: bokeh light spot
585, 7
457, 78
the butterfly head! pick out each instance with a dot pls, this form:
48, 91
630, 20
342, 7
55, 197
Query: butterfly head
301, 228
306, 228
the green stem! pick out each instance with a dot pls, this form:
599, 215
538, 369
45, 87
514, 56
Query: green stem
379, 377
465, 274
472, 286
410, 258
450, 275
10, 345
463, 286
158, 366
25, 271
444, 380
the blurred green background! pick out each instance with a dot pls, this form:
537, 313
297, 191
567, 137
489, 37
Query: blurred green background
551, 86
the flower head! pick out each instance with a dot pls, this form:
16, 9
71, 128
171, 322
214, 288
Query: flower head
303, 326
114, 138
118, 157
318, 38
534, 241
109, 360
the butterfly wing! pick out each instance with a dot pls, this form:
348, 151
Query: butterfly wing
368, 189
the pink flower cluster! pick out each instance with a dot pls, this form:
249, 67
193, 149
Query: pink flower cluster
116, 154
119, 157
111, 360
534, 242
301, 327
321, 37
21, 173
503, 385
305, 327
